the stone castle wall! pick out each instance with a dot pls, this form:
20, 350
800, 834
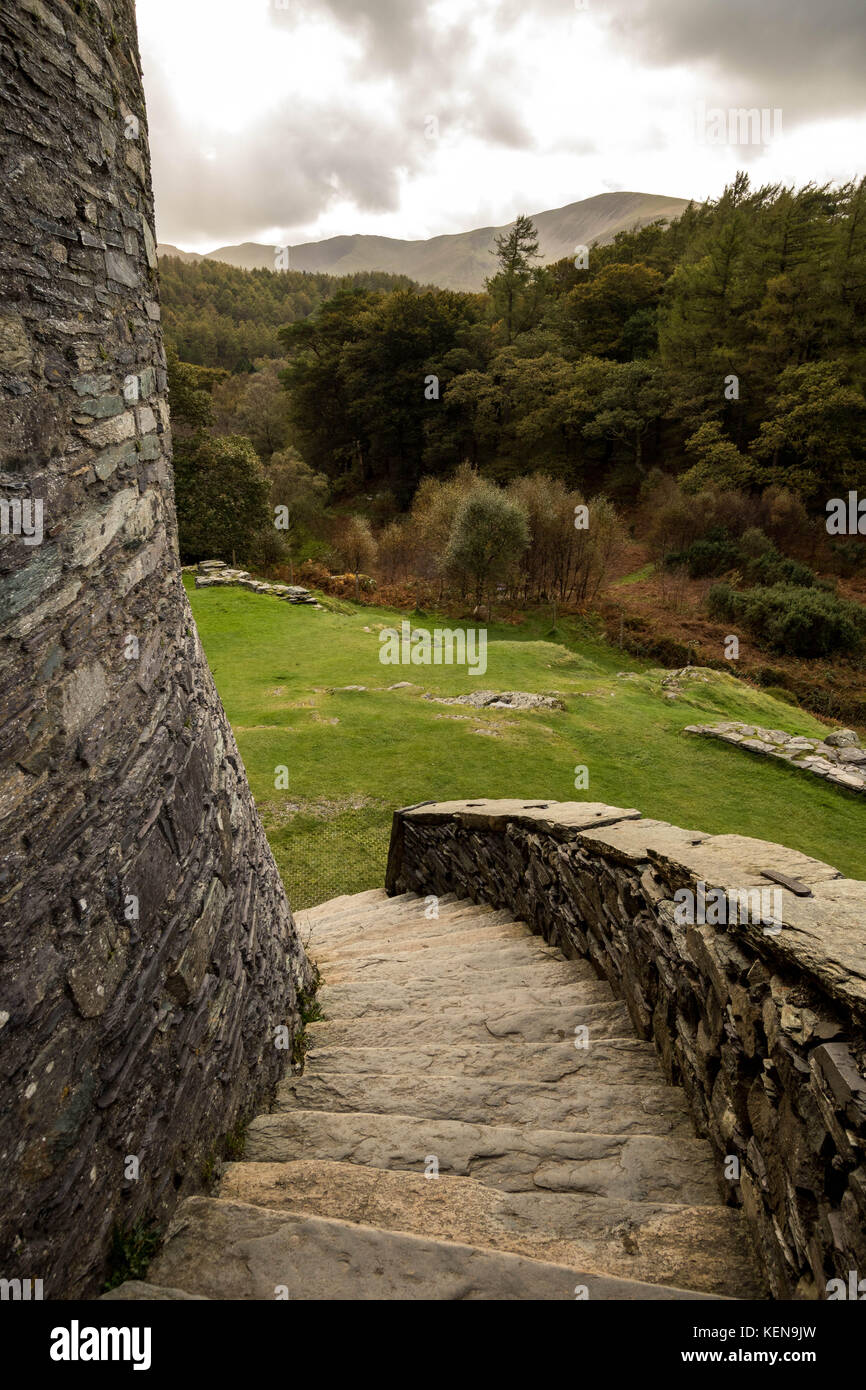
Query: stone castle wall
147, 951
761, 1020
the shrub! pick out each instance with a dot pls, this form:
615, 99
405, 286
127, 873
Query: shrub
711, 555
848, 557
792, 619
773, 568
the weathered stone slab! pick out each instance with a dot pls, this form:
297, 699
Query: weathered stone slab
499, 997
701, 1248
517, 1159
836, 757
592, 1103
479, 1021
137, 1291
557, 1062
229, 1250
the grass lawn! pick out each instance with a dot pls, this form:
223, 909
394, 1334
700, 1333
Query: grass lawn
354, 755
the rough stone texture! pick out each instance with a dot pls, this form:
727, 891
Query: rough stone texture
838, 758
507, 699
697, 1248
608, 1101
136, 1291
231, 1250
764, 1032
420, 1171
146, 946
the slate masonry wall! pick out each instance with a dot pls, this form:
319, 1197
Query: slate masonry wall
147, 951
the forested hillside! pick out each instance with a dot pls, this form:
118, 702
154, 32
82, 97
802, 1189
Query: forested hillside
729, 346
218, 316
699, 385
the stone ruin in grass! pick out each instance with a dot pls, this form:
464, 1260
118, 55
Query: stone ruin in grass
838, 757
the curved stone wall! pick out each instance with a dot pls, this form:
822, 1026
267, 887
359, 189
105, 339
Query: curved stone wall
760, 1016
147, 951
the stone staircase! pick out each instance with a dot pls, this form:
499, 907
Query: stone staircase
448, 1047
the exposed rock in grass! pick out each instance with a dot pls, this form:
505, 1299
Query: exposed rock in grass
490, 699
215, 574
839, 757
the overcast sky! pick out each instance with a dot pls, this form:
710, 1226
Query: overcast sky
292, 122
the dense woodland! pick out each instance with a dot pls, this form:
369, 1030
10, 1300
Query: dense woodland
218, 316
705, 379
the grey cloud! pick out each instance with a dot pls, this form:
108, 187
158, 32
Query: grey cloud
806, 56
284, 171
287, 171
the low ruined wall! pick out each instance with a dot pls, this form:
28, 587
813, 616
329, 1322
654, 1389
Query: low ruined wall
760, 1021
147, 951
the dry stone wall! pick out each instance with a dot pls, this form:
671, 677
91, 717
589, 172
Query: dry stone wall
759, 1017
838, 757
147, 951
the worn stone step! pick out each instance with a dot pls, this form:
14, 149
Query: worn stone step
398, 958
347, 1001
638, 1168
479, 1020
140, 1291
587, 1104
465, 934
406, 943
231, 1250
409, 921
338, 916
408, 908
695, 1247
518, 964
346, 902
556, 1061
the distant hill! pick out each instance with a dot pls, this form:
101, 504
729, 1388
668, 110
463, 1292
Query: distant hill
460, 261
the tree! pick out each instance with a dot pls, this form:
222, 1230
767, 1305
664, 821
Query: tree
614, 311
434, 508
356, 546
366, 379
489, 535
718, 461
222, 499
564, 559
189, 394
515, 250
631, 400
297, 496
816, 434
260, 409
395, 373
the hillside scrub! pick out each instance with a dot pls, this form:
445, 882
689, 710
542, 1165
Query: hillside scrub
804, 622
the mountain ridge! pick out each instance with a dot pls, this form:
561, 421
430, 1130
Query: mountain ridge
455, 260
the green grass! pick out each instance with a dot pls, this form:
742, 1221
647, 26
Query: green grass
635, 577
353, 756
130, 1253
